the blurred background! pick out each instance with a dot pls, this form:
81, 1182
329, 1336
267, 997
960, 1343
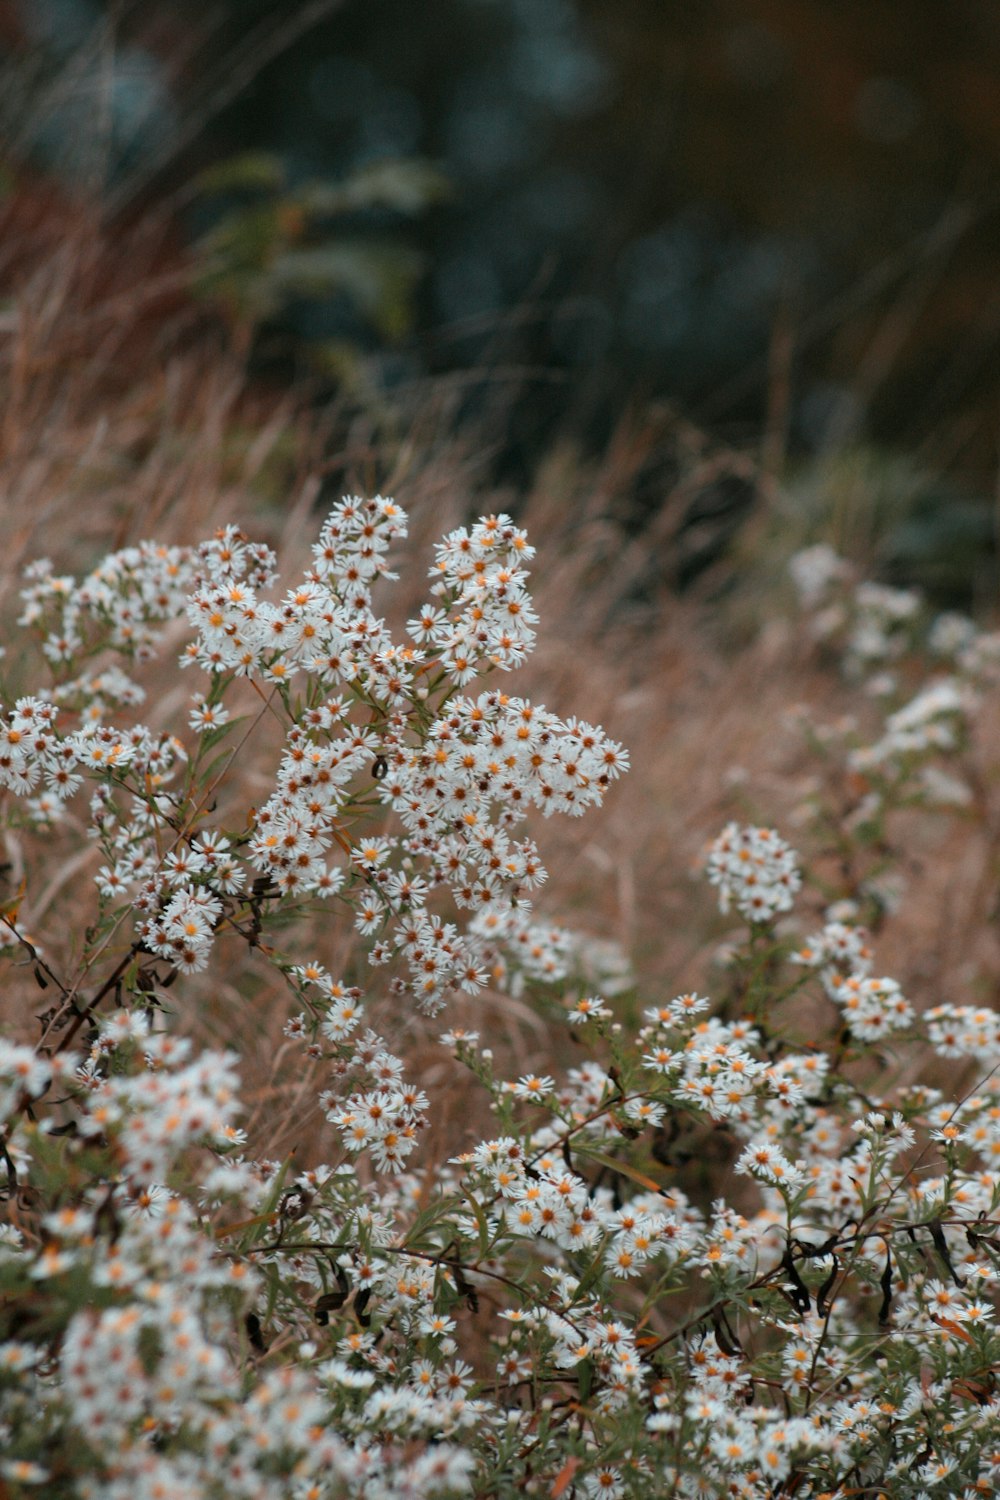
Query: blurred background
771, 225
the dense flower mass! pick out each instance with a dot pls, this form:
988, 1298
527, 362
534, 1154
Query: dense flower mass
755, 871
738, 1244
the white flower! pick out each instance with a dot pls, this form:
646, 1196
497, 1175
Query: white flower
755, 870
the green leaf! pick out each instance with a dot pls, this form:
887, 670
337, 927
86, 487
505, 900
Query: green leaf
253, 171
214, 736
481, 1224
623, 1169
270, 1205
591, 1275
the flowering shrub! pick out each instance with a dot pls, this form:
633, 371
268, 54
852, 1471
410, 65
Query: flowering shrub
545, 1312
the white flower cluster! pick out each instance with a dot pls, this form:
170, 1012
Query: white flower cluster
883, 633
962, 1031
486, 613
814, 570
755, 871
131, 593
930, 722
158, 1114
384, 1120
25, 1075
538, 1197
876, 624
548, 1311
460, 780
871, 1007
883, 623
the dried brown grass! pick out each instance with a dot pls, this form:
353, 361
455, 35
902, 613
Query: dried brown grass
128, 413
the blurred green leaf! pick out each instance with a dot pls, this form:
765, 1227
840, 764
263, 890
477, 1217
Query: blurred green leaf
378, 276
278, 245
258, 171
